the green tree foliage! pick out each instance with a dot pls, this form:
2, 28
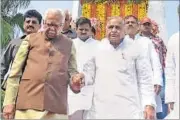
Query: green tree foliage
11, 18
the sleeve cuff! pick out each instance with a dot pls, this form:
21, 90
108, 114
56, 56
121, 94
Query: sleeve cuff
11, 94
149, 101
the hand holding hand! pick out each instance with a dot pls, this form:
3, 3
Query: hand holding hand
149, 113
77, 82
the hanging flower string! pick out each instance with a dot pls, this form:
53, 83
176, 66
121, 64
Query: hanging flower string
100, 10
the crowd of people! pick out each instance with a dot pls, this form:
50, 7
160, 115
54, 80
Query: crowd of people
60, 71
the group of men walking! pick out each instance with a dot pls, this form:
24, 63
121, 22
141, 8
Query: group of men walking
59, 73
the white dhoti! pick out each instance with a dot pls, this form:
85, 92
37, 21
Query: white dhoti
34, 114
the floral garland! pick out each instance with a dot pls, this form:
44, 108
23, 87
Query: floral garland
101, 11
110, 1
86, 10
128, 9
142, 10
102, 17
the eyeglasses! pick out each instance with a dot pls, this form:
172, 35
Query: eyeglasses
53, 25
114, 26
146, 24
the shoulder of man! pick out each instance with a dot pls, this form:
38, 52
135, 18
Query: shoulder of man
144, 39
136, 47
17, 41
64, 37
33, 37
36, 34
174, 39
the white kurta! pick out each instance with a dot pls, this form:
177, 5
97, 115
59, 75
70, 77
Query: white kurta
172, 75
151, 54
123, 82
84, 52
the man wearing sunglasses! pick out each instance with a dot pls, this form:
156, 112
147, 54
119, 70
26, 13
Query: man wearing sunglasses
32, 23
146, 31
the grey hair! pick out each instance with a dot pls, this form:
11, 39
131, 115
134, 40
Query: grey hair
54, 11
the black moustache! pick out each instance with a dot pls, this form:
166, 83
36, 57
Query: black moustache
30, 27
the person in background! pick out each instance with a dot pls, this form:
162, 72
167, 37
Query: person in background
85, 48
50, 66
163, 114
32, 23
155, 28
122, 77
146, 31
172, 76
131, 29
67, 30
73, 24
93, 32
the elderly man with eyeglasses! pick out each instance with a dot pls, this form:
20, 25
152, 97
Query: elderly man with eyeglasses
50, 66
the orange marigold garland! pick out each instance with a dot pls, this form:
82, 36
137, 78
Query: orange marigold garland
142, 10
102, 11
101, 16
93, 10
86, 10
135, 10
128, 9
122, 6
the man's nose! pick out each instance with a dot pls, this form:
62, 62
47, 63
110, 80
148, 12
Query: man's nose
130, 23
114, 29
83, 31
52, 28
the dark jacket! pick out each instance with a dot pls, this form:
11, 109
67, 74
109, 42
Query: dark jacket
8, 57
70, 33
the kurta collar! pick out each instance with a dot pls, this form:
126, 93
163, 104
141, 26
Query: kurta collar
87, 41
22, 37
137, 36
107, 42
